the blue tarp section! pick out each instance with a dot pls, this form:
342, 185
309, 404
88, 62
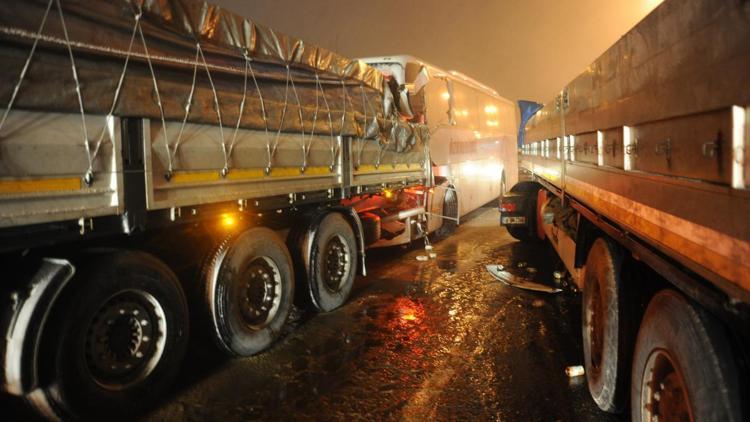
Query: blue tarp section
528, 110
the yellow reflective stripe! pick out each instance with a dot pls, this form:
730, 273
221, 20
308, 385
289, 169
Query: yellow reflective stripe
39, 185
195, 176
318, 171
246, 174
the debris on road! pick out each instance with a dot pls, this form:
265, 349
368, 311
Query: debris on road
574, 371
519, 282
422, 258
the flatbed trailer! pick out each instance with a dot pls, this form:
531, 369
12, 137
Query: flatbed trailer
637, 174
166, 165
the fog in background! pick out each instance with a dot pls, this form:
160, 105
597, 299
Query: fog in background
524, 49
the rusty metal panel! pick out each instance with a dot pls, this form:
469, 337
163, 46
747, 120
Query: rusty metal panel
652, 120
741, 157
685, 57
611, 149
698, 146
698, 223
586, 147
554, 149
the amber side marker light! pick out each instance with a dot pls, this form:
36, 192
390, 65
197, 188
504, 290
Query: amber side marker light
228, 221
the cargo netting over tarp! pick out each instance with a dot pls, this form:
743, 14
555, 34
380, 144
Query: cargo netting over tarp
185, 61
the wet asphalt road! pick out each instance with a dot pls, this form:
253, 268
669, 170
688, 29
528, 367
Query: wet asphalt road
417, 341
434, 340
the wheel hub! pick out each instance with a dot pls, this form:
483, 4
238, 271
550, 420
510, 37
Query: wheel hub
125, 339
664, 395
336, 264
262, 293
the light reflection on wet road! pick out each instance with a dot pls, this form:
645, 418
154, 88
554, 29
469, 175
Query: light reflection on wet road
439, 339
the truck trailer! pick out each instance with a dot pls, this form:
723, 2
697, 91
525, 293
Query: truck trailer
637, 174
166, 165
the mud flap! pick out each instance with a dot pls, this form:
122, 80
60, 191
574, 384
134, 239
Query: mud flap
23, 326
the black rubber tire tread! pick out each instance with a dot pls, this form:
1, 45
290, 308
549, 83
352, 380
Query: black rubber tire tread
520, 233
203, 328
699, 345
230, 333
608, 384
70, 392
322, 299
450, 209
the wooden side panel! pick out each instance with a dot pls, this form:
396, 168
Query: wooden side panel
586, 147
696, 146
611, 150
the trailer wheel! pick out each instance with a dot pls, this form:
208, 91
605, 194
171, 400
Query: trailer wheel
332, 263
606, 314
450, 210
683, 368
118, 337
249, 291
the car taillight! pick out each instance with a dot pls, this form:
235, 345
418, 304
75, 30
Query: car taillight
508, 207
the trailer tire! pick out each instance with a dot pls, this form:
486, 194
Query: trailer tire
332, 263
682, 349
450, 209
118, 337
249, 291
606, 328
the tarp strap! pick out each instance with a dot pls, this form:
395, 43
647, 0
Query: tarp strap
92, 156
79, 96
301, 121
248, 61
172, 151
364, 132
228, 155
271, 149
216, 104
319, 88
156, 90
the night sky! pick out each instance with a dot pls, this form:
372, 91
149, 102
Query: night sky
524, 49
